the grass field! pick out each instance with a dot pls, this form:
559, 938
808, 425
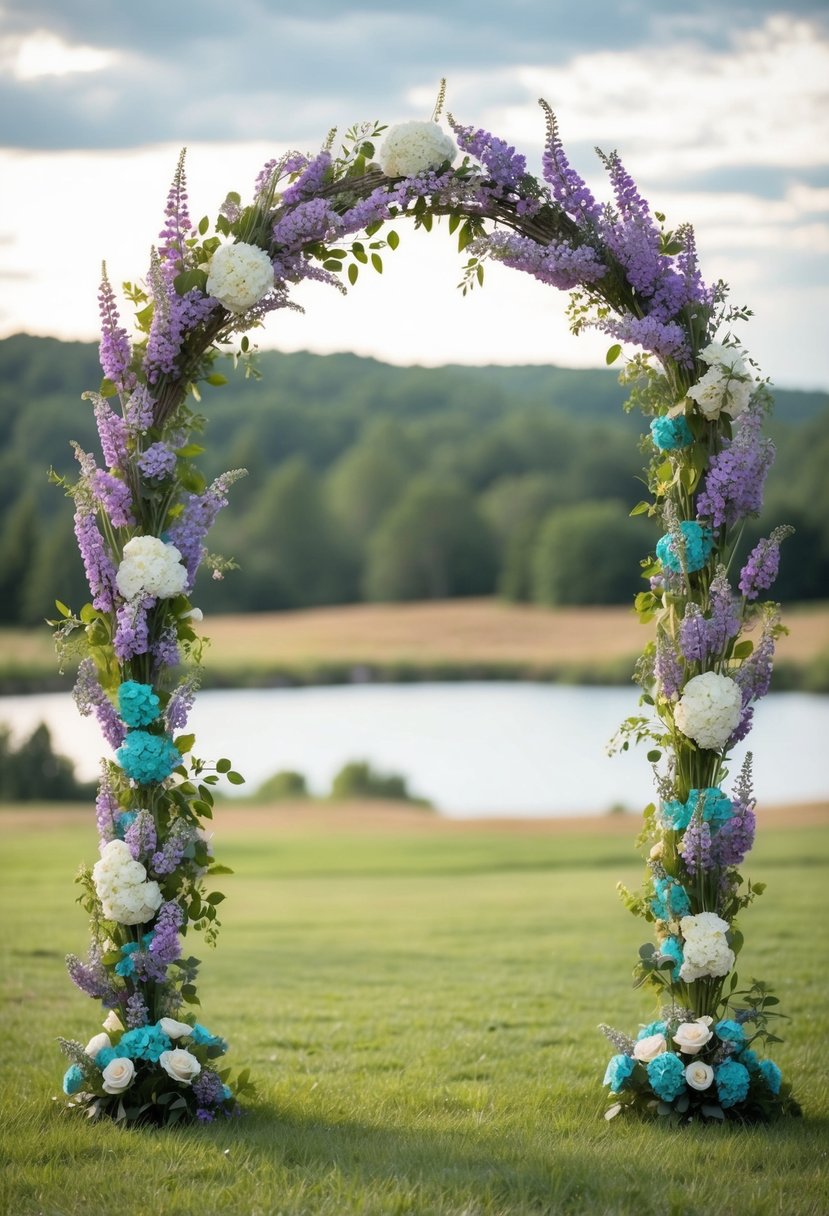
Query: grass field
418, 1005
447, 639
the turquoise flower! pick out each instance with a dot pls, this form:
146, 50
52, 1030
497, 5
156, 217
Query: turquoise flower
144, 1043
105, 1056
732, 1081
138, 705
147, 758
670, 433
750, 1059
205, 1039
716, 810
730, 1032
652, 1028
666, 1074
672, 946
125, 821
127, 964
227, 1093
670, 900
618, 1070
697, 543
771, 1075
73, 1079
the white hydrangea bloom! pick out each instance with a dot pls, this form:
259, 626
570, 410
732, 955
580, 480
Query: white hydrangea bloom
706, 949
149, 567
240, 276
412, 148
122, 887
709, 709
726, 386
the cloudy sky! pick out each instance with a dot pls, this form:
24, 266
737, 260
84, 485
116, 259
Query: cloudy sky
720, 109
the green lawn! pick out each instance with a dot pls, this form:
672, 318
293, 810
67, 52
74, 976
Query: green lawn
420, 1015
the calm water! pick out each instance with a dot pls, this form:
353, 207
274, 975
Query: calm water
473, 749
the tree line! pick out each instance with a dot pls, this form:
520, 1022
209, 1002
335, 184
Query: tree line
379, 483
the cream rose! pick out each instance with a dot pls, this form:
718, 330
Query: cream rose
650, 1047
174, 1029
691, 1037
112, 1022
118, 1075
179, 1064
97, 1043
699, 1075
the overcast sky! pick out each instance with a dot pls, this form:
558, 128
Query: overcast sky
721, 111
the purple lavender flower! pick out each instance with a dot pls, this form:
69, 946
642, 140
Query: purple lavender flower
106, 806
100, 571
114, 496
724, 621
311, 221
168, 857
569, 190
693, 634
695, 847
112, 432
138, 412
132, 628
180, 704
309, 181
165, 650
504, 165
559, 264
90, 696
191, 527
137, 1014
736, 475
208, 1088
140, 836
763, 563
114, 351
157, 463
667, 668
165, 945
91, 977
665, 339
177, 228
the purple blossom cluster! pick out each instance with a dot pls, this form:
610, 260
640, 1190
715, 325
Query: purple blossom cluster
505, 167
115, 498
137, 1014
165, 649
763, 563
157, 462
559, 264
311, 178
139, 409
196, 520
737, 474
168, 858
172, 249
569, 190
141, 836
165, 945
132, 630
106, 806
91, 977
115, 352
667, 666
100, 571
112, 432
89, 696
180, 704
703, 637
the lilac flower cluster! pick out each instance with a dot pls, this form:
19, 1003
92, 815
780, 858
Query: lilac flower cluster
100, 571
165, 945
736, 474
115, 352
114, 496
89, 696
667, 667
91, 977
702, 637
141, 836
177, 228
559, 264
168, 857
569, 189
763, 563
310, 180
132, 632
180, 704
112, 432
139, 409
137, 1014
165, 649
106, 806
503, 164
200, 510
157, 462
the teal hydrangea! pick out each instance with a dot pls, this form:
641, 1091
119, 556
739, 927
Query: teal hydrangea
73, 1080
697, 543
732, 1081
672, 946
204, 1038
670, 901
666, 1074
138, 705
618, 1070
652, 1028
124, 821
771, 1075
147, 758
144, 1043
750, 1059
731, 1032
671, 433
105, 1056
716, 810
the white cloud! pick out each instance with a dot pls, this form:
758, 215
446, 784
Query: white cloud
42, 53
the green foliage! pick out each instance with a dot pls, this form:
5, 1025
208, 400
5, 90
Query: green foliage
282, 786
586, 554
358, 779
33, 772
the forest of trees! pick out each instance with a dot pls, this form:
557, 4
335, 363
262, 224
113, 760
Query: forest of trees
372, 482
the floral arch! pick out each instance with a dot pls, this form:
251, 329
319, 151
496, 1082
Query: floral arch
142, 517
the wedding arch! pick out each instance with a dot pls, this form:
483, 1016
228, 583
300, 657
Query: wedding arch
143, 515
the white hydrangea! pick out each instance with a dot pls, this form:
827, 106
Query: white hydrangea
709, 710
122, 887
726, 387
706, 950
149, 567
239, 276
412, 148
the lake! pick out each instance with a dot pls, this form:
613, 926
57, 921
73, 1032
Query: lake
471, 748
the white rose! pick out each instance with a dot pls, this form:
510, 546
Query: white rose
150, 567
181, 1065
413, 148
726, 387
174, 1029
97, 1043
691, 1037
709, 710
240, 276
117, 1075
112, 1022
699, 1075
650, 1047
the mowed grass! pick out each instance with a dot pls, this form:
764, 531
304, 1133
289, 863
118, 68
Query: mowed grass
419, 1012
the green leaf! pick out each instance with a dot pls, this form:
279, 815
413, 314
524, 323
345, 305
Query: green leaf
188, 279
743, 649
204, 224
654, 755
219, 869
216, 379
62, 609
331, 264
223, 766
613, 353
641, 508
107, 388
392, 239
215, 897
184, 743
353, 271
235, 778
377, 262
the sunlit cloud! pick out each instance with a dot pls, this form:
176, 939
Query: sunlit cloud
42, 53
